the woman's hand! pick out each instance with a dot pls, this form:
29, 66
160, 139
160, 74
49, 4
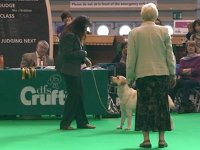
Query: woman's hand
172, 81
88, 62
186, 71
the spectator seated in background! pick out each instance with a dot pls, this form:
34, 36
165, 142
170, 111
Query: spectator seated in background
190, 31
39, 57
188, 76
158, 22
120, 60
66, 19
196, 34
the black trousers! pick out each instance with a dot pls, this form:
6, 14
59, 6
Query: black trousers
186, 85
74, 107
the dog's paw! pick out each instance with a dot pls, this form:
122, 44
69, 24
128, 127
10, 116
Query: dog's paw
119, 127
127, 129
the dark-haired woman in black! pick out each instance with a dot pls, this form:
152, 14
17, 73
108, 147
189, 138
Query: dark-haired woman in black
70, 57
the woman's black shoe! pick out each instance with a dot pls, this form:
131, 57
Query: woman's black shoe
162, 144
145, 144
67, 128
87, 126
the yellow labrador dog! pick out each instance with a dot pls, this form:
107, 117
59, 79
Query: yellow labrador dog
128, 100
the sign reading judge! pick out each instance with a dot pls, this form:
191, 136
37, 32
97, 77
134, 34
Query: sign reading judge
22, 24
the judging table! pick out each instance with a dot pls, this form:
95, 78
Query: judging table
45, 94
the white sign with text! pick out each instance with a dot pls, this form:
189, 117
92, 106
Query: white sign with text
110, 3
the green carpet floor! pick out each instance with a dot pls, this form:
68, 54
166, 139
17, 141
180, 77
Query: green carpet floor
45, 135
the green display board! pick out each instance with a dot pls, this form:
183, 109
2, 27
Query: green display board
46, 94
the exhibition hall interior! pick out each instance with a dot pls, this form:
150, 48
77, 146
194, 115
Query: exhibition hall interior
71, 65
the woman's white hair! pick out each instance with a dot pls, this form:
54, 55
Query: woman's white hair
149, 12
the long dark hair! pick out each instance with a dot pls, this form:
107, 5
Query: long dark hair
78, 26
194, 24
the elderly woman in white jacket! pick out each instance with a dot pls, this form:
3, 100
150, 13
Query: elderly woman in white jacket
151, 63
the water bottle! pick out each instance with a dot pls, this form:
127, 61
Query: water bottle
41, 64
1, 62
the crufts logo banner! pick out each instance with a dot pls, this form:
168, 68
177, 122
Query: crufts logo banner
48, 94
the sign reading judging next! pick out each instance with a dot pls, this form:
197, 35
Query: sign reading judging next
22, 24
